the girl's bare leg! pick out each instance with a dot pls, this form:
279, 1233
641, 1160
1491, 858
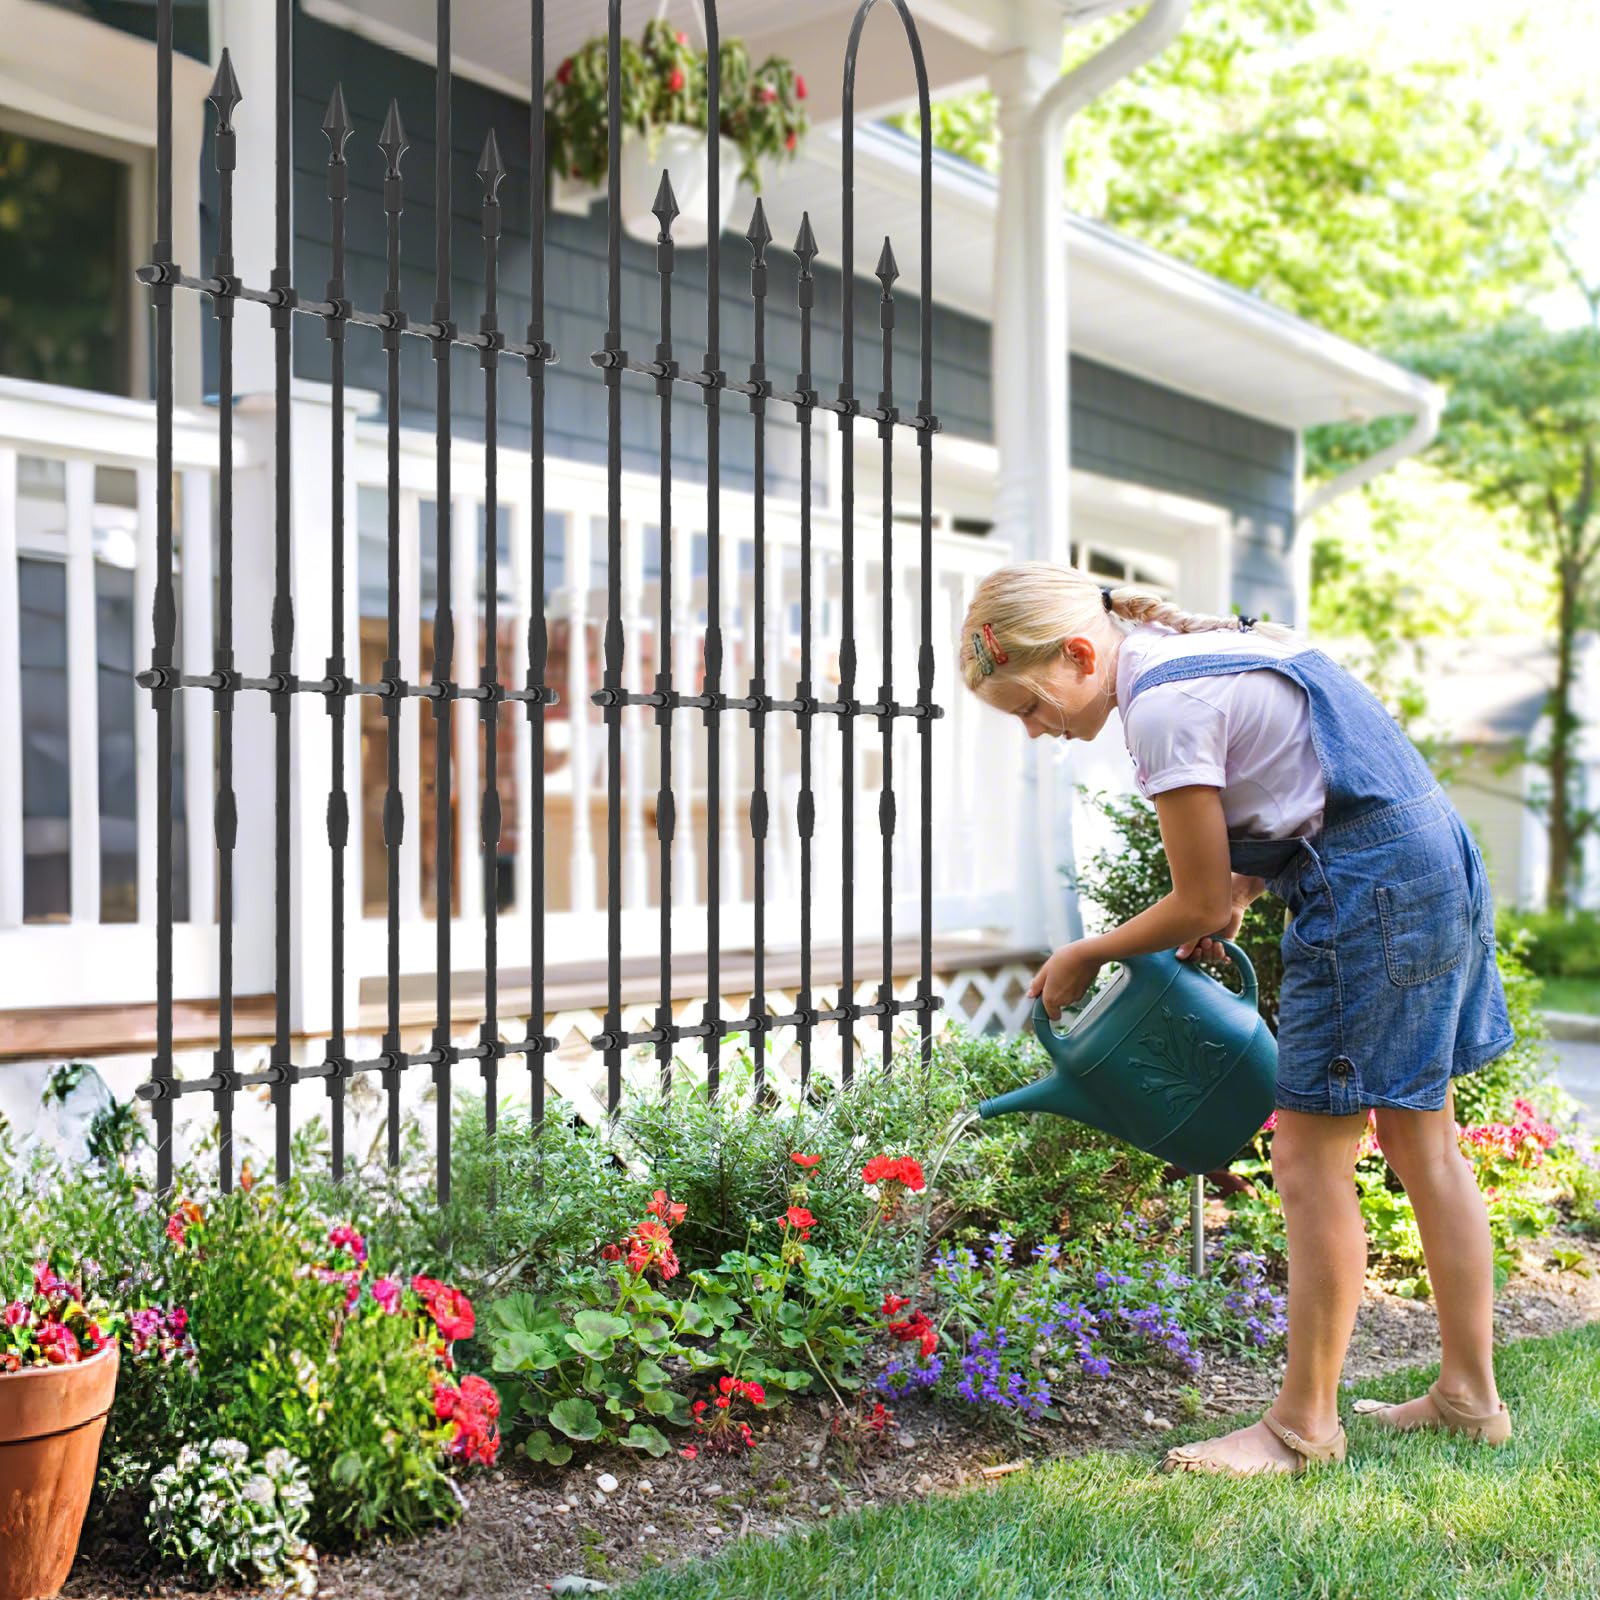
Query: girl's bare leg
1313, 1159
1421, 1146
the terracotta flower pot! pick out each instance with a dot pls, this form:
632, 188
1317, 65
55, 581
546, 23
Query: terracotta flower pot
51, 1423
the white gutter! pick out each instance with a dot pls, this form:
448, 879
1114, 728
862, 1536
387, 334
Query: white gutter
1422, 432
1161, 23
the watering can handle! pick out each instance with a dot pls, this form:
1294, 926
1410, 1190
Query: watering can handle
1250, 993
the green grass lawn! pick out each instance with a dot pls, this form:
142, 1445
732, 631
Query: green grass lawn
1410, 1518
1571, 994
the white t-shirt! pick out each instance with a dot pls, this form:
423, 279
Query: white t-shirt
1248, 733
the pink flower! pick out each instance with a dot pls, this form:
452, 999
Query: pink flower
15, 1314
690, 1451
386, 1291
344, 1237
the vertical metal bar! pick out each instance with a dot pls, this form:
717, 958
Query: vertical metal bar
443, 626
538, 627
759, 236
282, 697
805, 247
224, 97
847, 517
887, 272
337, 126
492, 171
665, 209
164, 614
392, 142
1197, 1225
713, 649
611, 693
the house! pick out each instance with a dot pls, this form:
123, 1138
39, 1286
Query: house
1098, 402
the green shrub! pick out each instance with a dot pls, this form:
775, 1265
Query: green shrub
1560, 945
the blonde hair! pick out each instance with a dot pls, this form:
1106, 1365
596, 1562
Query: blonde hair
1023, 612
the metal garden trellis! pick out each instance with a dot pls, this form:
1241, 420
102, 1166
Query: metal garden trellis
165, 677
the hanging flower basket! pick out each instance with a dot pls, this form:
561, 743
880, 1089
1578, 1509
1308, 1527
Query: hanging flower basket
51, 1422
664, 128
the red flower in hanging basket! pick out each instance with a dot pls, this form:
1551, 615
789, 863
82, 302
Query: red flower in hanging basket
790, 142
675, 79
564, 71
799, 87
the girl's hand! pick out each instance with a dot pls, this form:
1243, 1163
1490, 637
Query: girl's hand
1065, 978
1245, 889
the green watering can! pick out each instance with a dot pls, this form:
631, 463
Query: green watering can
1165, 1057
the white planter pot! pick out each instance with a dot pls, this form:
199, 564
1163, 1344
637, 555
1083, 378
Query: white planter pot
682, 152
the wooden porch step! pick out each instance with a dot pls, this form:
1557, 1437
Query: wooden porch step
64, 1033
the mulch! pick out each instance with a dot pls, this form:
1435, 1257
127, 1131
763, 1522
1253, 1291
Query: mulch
525, 1526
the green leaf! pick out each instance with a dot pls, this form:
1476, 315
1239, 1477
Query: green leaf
346, 1470
539, 1446
694, 1319
595, 1349
649, 1375
659, 1402
599, 1325
577, 1418
723, 1308
641, 1436
523, 1352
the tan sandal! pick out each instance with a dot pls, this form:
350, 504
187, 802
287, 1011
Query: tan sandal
1326, 1452
1493, 1427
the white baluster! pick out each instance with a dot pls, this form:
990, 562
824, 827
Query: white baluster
513, 670
780, 835
11, 699
635, 877
83, 694
685, 729
199, 720
412, 719
734, 791
466, 565
580, 706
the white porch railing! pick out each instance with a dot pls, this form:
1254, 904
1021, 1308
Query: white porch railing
77, 498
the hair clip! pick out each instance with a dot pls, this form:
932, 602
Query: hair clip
1105, 599
1246, 623
981, 655
1000, 657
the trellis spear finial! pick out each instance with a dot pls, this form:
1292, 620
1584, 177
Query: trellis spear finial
805, 243
392, 141
337, 125
224, 93
886, 271
491, 169
665, 207
758, 233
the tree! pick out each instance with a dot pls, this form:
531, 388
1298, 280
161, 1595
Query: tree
1522, 428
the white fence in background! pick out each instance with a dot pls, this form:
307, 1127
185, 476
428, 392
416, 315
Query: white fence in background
77, 782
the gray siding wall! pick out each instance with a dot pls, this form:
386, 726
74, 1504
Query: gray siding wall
1122, 426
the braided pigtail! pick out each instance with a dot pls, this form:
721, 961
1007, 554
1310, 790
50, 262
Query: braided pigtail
1140, 606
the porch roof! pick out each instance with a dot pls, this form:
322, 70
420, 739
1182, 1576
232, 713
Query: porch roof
1129, 306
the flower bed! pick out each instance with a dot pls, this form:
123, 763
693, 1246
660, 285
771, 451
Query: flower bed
327, 1362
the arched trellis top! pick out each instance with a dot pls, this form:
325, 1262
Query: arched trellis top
925, 221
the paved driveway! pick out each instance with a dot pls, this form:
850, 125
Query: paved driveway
1577, 1070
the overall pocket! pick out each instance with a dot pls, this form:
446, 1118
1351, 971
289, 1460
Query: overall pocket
1424, 923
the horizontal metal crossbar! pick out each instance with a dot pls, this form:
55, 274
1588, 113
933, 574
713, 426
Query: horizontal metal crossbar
764, 702
764, 389
158, 273
765, 1022
335, 687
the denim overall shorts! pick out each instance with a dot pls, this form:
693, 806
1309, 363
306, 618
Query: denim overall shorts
1390, 986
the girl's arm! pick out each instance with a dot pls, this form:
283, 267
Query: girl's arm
1206, 899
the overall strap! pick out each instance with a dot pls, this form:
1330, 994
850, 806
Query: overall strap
1182, 668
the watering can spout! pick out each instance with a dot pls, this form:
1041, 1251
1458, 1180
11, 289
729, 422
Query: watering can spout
1053, 1092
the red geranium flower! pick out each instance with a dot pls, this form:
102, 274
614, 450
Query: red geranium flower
690, 1451
611, 1252
675, 79
894, 1304
799, 1217
452, 1313
808, 1162
673, 1213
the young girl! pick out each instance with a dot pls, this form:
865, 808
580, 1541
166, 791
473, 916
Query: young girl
1271, 767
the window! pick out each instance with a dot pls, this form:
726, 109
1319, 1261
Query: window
65, 265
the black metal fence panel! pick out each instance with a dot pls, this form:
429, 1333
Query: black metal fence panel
164, 678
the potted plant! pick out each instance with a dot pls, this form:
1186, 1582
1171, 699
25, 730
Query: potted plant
58, 1374
663, 112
